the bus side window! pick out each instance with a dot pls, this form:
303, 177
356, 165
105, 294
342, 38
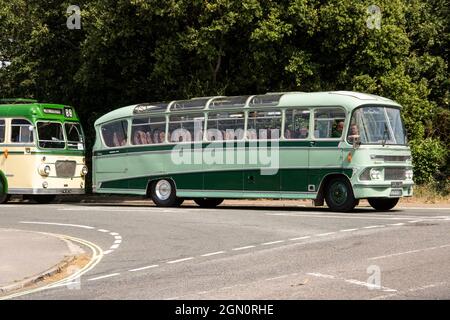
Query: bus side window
115, 133
186, 128
329, 123
2, 131
297, 124
264, 125
21, 131
225, 126
148, 130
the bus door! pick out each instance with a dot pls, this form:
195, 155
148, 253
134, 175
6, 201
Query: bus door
110, 162
325, 156
264, 133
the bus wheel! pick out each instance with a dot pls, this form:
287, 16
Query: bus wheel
208, 202
339, 195
43, 199
4, 197
383, 204
163, 194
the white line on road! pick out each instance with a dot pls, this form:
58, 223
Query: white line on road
243, 248
104, 277
114, 233
338, 217
272, 242
276, 278
180, 260
114, 246
351, 281
103, 230
372, 227
212, 253
408, 252
144, 268
348, 230
397, 224
300, 238
118, 237
58, 224
118, 242
324, 234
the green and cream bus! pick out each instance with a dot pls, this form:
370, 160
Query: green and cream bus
337, 147
41, 150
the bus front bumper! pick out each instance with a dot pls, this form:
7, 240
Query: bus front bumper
382, 190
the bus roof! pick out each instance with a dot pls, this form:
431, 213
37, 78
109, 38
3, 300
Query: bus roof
33, 111
347, 99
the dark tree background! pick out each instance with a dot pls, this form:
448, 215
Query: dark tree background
131, 51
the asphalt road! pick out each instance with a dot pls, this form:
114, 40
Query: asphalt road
248, 253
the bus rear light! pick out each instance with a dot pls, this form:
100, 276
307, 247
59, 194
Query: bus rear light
44, 170
349, 157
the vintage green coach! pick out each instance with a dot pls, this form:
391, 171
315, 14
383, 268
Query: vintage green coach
334, 146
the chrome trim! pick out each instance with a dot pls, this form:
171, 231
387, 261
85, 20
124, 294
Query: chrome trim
45, 191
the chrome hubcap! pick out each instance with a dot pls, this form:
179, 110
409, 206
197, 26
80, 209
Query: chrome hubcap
163, 189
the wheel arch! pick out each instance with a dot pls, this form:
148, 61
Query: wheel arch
5, 182
323, 183
151, 181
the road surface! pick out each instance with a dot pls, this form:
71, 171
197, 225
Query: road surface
248, 252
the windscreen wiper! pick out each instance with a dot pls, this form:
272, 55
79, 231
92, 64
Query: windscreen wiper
385, 134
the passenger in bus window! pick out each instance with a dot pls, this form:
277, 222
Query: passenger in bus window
148, 136
161, 137
303, 133
337, 130
353, 133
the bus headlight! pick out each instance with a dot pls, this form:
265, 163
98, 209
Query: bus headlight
375, 174
44, 170
408, 174
84, 171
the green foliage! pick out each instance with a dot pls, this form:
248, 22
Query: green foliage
428, 156
131, 51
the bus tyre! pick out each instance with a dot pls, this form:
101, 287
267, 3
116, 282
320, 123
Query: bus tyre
4, 197
383, 204
43, 199
208, 202
339, 195
163, 194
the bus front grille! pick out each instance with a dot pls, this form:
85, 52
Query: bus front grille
65, 169
394, 173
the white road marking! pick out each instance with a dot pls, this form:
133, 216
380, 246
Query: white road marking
118, 242
300, 238
272, 242
276, 278
114, 246
212, 253
408, 252
107, 252
144, 268
114, 234
348, 230
397, 224
103, 230
243, 248
324, 234
351, 281
118, 237
180, 260
340, 216
433, 285
58, 224
372, 227
105, 276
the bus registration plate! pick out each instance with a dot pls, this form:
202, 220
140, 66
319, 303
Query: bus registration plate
396, 184
396, 193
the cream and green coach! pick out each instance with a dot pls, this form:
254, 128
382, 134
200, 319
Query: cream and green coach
334, 147
42, 150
